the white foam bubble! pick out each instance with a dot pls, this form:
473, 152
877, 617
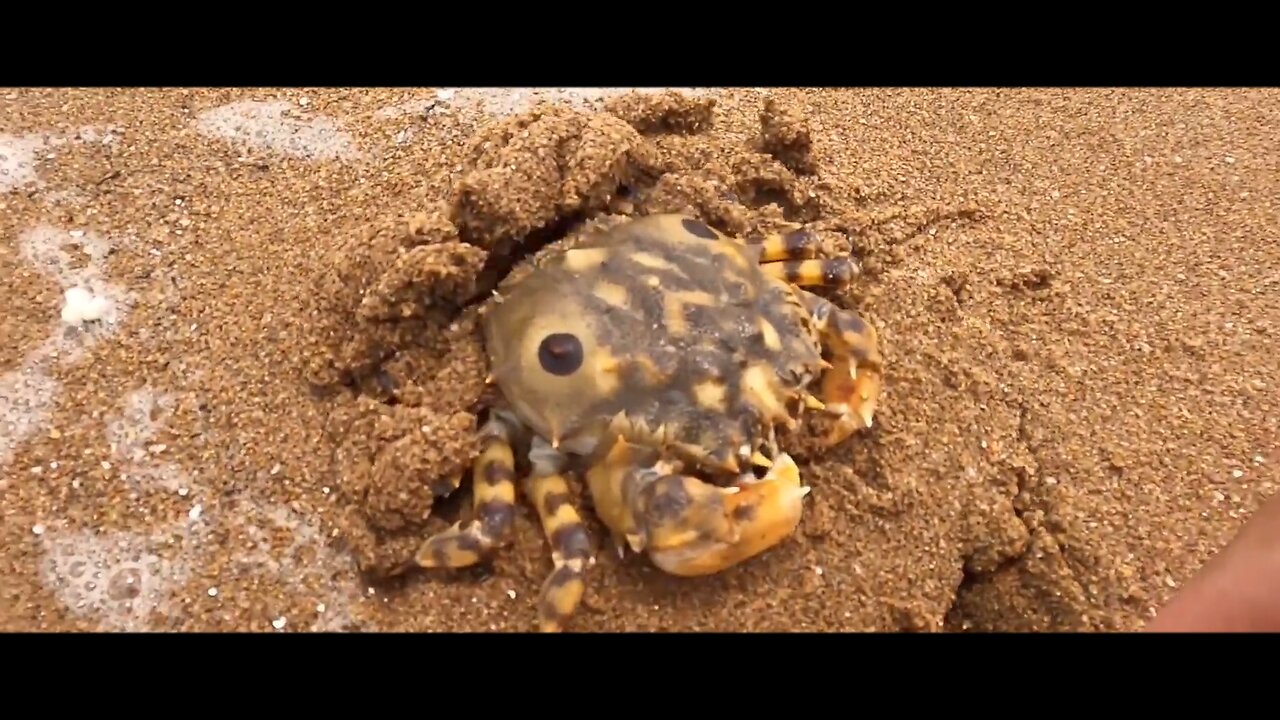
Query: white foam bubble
121, 580
126, 580
27, 396
131, 434
18, 161
306, 562
20, 153
279, 126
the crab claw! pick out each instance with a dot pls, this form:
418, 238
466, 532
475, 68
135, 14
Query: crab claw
851, 398
686, 526
692, 528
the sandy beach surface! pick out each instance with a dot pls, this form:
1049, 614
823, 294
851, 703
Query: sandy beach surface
1077, 294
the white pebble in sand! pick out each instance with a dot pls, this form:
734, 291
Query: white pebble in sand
80, 305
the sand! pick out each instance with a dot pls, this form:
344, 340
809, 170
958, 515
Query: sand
1075, 292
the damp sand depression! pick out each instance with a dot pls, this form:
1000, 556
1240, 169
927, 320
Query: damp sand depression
1074, 292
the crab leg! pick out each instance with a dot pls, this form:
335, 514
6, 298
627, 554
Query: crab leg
832, 272
493, 486
851, 387
570, 550
689, 527
795, 245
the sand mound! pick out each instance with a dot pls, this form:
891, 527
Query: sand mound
407, 359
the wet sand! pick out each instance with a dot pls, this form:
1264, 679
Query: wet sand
1075, 293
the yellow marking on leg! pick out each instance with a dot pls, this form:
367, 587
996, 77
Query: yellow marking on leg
493, 487
794, 245
604, 481
571, 552
832, 272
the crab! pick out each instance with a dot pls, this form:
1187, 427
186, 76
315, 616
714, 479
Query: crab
659, 360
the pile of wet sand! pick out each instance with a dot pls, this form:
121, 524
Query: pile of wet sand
1072, 308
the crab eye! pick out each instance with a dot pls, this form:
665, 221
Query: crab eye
560, 354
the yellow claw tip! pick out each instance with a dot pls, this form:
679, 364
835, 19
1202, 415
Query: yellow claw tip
784, 466
813, 403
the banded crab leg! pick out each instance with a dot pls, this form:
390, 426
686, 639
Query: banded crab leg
494, 497
686, 526
793, 258
494, 514
794, 245
571, 550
